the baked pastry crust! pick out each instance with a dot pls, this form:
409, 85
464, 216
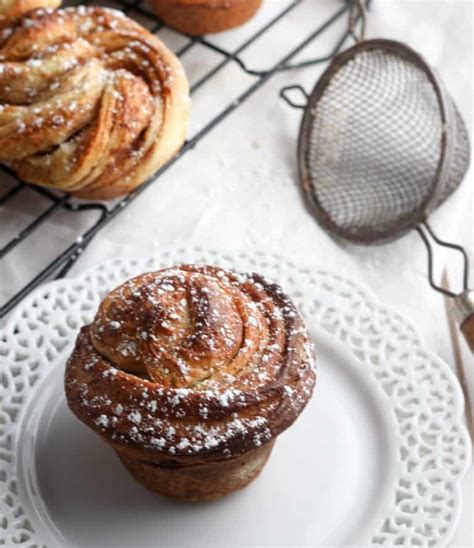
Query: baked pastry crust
190, 373
197, 17
11, 10
90, 102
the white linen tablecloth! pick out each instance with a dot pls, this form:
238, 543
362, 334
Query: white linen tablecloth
237, 189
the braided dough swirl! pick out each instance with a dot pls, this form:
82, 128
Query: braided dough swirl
192, 360
90, 102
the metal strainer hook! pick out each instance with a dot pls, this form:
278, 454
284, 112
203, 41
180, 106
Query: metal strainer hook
442, 243
463, 303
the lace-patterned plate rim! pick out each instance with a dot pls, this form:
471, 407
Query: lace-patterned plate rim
434, 449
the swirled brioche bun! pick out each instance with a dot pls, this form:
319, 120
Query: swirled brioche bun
190, 373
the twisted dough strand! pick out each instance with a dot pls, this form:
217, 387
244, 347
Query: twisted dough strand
91, 102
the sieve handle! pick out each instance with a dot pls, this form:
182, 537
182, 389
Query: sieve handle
464, 302
284, 94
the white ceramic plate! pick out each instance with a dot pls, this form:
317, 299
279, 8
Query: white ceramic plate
376, 458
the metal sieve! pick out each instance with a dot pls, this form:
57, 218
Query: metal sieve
381, 145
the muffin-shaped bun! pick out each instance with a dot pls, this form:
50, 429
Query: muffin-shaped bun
196, 17
190, 373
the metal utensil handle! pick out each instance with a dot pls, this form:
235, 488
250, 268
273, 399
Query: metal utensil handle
357, 11
464, 313
464, 301
467, 329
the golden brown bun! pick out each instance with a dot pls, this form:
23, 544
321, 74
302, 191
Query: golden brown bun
198, 17
90, 102
190, 373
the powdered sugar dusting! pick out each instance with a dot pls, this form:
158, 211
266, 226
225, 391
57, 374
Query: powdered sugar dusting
193, 395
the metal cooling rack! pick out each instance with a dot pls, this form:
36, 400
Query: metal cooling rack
61, 264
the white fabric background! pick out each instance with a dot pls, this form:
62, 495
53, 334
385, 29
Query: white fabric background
237, 189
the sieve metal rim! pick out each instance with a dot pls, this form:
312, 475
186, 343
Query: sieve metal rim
409, 221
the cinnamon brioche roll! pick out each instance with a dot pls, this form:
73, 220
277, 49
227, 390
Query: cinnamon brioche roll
190, 373
90, 102
196, 17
